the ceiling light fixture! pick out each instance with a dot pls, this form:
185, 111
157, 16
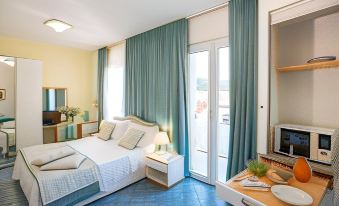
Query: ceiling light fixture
57, 25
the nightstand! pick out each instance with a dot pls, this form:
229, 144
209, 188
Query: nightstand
165, 172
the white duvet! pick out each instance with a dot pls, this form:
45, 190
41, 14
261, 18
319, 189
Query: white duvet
114, 162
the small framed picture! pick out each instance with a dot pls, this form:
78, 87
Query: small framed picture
2, 94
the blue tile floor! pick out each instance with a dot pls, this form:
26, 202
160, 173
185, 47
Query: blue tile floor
147, 193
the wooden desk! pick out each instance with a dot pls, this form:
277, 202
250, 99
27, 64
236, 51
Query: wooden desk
233, 193
56, 133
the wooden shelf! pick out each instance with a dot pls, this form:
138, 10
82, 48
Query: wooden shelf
320, 65
289, 161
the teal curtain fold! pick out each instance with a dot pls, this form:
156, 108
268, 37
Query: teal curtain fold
102, 66
155, 87
243, 84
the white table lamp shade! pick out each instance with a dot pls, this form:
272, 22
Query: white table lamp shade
161, 139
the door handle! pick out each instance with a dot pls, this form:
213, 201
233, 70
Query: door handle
247, 202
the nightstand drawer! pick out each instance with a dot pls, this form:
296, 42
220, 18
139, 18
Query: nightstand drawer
162, 167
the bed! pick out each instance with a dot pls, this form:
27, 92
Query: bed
118, 167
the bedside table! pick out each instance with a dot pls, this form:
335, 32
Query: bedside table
165, 172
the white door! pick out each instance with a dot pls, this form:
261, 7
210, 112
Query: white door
208, 110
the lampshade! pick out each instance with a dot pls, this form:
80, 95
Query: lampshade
161, 139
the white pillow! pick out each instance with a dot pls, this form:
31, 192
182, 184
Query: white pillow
66, 163
120, 128
149, 136
52, 155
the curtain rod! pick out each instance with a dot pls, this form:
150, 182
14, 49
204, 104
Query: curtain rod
208, 10
189, 17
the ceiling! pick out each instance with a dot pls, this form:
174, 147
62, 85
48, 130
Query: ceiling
95, 23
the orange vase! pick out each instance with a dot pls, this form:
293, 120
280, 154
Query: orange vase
302, 170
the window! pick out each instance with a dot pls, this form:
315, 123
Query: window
114, 94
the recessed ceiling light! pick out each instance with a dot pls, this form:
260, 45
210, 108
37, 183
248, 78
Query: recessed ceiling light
57, 25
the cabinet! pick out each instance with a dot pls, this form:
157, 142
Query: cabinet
165, 172
66, 131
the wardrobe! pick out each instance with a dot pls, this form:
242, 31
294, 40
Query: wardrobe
20, 104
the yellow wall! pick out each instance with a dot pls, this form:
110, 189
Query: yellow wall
66, 67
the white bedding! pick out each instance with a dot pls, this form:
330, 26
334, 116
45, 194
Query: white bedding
114, 162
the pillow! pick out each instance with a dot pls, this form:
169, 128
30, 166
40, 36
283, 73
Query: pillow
105, 130
131, 138
69, 162
120, 128
52, 155
150, 133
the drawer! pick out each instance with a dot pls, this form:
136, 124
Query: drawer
234, 197
162, 167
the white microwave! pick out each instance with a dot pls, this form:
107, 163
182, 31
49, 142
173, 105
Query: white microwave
313, 143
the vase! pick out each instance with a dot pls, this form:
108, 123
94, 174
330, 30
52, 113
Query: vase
302, 170
72, 118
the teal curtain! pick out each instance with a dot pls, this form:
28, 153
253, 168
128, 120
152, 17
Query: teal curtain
102, 66
243, 84
155, 87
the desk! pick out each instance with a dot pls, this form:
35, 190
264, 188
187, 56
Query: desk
66, 131
233, 193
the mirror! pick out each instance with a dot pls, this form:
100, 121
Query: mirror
53, 98
7, 110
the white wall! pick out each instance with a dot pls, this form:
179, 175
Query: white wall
210, 26
265, 6
7, 82
301, 41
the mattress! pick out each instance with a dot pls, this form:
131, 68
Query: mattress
115, 164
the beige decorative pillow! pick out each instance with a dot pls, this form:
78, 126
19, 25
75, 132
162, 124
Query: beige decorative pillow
131, 138
105, 130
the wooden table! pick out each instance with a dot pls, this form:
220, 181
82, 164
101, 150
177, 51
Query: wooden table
316, 188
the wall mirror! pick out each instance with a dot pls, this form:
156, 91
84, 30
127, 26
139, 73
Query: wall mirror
7, 110
53, 98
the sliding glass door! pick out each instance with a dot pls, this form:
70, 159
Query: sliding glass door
199, 112
209, 110
223, 110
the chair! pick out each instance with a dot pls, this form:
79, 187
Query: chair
335, 167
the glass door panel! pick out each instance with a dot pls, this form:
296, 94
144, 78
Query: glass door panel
199, 112
223, 111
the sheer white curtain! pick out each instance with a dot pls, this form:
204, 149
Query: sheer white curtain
114, 85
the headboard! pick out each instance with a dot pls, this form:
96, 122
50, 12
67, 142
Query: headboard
137, 120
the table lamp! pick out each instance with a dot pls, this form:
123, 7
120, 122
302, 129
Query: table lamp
161, 139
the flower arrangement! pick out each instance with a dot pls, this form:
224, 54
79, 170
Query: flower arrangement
69, 111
